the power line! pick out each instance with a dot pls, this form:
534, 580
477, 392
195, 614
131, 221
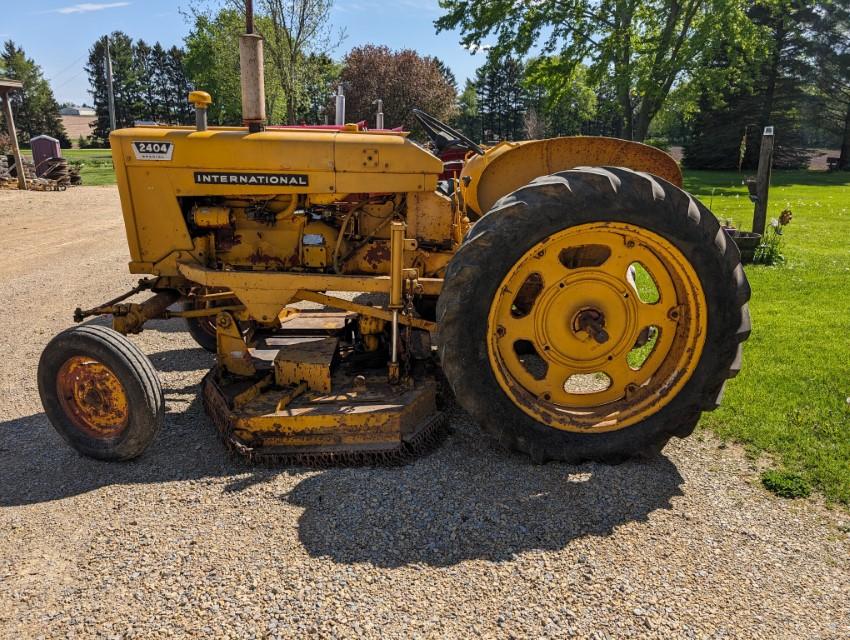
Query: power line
56, 75
73, 77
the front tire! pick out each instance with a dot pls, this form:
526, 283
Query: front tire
100, 392
582, 314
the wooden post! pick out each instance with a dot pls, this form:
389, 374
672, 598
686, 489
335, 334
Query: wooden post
763, 181
13, 136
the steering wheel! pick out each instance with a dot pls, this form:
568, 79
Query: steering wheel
443, 135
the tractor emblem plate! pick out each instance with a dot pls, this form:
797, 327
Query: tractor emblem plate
153, 150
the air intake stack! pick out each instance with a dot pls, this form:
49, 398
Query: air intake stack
251, 68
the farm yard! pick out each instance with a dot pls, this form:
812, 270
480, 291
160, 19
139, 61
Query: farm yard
428, 342
466, 540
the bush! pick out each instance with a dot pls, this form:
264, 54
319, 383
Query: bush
658, 143
785, 484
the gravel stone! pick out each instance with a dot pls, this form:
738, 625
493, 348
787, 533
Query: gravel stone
467, 541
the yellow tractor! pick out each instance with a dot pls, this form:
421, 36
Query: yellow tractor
577, 302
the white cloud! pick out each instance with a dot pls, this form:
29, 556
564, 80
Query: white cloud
86, 7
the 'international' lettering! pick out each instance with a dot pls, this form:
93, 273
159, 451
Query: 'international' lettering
251, 179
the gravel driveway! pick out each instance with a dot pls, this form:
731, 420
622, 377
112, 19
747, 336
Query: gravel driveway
468, 540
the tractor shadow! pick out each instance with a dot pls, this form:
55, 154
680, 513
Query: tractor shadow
36, 465
469, 500
465, 500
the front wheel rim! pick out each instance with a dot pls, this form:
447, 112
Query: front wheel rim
92, 397
597, 327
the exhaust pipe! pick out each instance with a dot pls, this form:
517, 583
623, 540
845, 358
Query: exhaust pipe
340, 106
251, 71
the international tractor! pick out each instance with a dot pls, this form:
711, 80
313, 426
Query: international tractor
566, 293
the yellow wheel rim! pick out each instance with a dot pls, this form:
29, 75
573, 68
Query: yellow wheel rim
92, 397
597, 327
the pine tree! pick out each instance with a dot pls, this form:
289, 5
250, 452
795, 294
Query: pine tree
152, 109
35, 110
179, 86
129, 102
502, 98
787, 26
159, 82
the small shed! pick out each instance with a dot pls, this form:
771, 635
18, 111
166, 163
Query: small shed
43, 148
6, 87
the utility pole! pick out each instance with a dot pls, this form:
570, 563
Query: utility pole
762, 185
109, 88
6, 88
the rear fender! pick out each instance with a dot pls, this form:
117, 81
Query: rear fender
511, 165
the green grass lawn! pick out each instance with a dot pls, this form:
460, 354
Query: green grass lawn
791, 398
96, 165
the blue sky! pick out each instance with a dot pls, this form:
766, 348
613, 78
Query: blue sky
58, 33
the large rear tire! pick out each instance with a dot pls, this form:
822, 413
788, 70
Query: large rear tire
100, 392
202, 330
549, 275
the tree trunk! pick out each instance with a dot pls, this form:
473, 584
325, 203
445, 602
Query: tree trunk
754, 143
645, 115
844, 157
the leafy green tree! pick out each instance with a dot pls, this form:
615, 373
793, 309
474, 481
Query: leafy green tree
645, 46
467, 118
749, 86
320, 79
296, 34
212, 64
787, 27
178, 85
149, 61
35, 110
560, 113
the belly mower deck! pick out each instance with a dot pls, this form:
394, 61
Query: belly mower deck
313, 402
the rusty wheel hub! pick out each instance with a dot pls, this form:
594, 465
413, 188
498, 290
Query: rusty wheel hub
92, 397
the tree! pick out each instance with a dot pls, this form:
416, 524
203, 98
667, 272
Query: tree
149, 82
34, 108
296, 33
212, 65
502, 98
176, 97
404, 80
787, 27
149, 64
747, 88
644, 45
129, 101
320, 77
467, 118
832, 57
565, 112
